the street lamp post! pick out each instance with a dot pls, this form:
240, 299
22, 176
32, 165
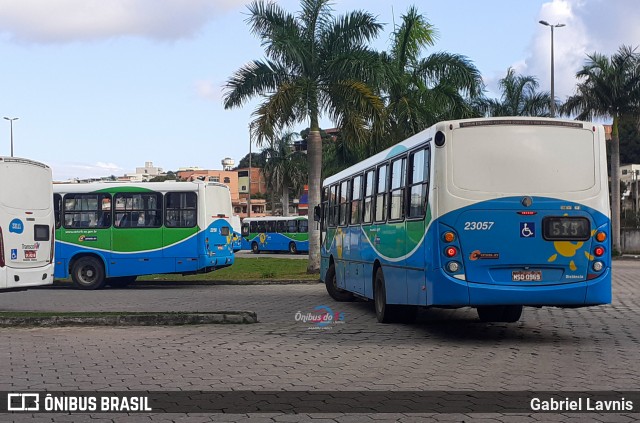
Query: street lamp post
552, 110
249, 196
11, 122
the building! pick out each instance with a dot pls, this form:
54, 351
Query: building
629, 176
143, 174
258, 193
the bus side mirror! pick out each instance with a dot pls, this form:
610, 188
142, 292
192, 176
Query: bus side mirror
316, 213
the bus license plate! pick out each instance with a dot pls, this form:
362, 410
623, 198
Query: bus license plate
526, 276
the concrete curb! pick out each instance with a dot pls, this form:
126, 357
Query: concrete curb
131, 319
161, 282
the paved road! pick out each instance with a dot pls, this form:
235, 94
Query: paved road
550, 349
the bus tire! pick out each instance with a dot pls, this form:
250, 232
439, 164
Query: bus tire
385, 313
121, 281
336, 293
292, 248
88, 273
254, 248
506, 314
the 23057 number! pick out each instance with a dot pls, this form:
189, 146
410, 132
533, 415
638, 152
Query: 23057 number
477, 226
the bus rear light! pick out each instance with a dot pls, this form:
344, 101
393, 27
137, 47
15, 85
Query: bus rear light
2, 263
450, 251
597, 266
449, 237
453, 266
601, 237
598, 252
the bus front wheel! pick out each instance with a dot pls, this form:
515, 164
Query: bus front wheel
254, 248
88, 273
292, 248
506, 314
332, 287
386, 313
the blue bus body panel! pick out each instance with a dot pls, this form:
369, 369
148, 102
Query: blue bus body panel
273, 241
495, 243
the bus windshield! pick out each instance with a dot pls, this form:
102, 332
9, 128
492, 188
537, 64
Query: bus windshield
544, 160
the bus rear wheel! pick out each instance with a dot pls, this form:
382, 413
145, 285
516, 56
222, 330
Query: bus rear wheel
88, 273
254, 248
336, 293
386, 313
506, 314
121, 281
292, 248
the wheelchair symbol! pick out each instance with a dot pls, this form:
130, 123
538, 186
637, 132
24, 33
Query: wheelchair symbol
527, 229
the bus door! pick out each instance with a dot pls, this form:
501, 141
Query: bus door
180, 229
137, 235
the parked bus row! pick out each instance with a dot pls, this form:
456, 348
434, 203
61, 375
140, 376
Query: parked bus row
495, 214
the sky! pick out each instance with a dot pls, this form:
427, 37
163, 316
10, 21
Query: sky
101, 87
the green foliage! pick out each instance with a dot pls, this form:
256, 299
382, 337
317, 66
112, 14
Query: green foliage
520, 97
629, 140
169, 176
257, 160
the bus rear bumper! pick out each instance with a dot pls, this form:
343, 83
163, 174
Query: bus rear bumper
577, 294
24, 278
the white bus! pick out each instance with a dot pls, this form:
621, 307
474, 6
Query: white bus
495, 214
26, 224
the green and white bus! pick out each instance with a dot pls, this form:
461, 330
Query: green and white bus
110, 233
276, 234
26, 224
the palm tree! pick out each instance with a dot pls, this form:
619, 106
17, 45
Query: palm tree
316, 64
520, 97
420, 91
285, 168
609, 88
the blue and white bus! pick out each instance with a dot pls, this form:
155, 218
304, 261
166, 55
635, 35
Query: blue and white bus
276, 234
494, 213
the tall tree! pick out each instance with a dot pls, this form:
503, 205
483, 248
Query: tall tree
520, 97
285, 168
316, 64
609, 88
420, 91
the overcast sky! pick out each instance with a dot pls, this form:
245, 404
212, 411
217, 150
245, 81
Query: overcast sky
100, 87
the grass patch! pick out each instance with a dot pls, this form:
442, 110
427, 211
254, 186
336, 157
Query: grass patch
248, 268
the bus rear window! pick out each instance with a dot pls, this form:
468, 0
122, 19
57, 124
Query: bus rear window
523, 159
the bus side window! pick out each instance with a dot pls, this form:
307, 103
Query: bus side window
244, 231
418, 183
292, 226
344, 203
396, 203
180, 210
381, 194
367, 215
303, 226
57, 208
